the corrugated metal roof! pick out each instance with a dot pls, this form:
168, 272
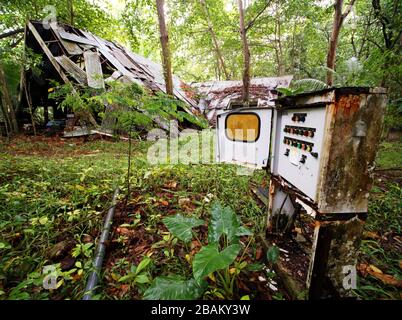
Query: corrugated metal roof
134, 67
217, 95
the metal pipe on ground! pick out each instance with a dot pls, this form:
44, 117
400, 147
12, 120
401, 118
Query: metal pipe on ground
100, 251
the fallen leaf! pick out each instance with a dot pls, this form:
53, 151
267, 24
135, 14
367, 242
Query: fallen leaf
171, 185
365, 269
375, 269
123, 231
387, 279
115, 277
212, 277
371, 235
242, 285
164, 203
124, 289
184, 201
258, 253
188, 258
400, 264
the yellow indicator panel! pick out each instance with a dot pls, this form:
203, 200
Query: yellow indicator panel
244, 127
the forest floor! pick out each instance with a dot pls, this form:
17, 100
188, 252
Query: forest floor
54, 194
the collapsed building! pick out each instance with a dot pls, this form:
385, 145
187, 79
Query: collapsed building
78, 57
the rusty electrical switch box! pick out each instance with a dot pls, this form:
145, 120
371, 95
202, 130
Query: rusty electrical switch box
320, 148
323, 153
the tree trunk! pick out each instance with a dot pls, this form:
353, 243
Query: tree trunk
278, 42
29, 102
167, 65
71, 11
339, 17
215, 40
8, 107
246, 56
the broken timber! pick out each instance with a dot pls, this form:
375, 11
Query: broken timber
81, 57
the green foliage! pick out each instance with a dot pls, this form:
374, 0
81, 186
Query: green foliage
84, 249
389, 155
175, 288
86, 14
212, 258
384, 209
209, 259
138, 275
273, 254
225, 222
181, 227
302, 86
129, 104
47, 193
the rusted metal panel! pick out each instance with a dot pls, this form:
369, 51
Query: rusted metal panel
71, 68
335, 247
219, 94
71, 47
93, 70
354, 125
74, 38
119, 55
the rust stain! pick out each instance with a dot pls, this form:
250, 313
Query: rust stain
348, 105
355, 134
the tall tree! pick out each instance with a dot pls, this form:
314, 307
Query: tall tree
7, 105
246, 55
339, 18
278, 41
70, 6
215, 40
166, 59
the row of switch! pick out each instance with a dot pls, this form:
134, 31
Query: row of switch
298, 144
303, 132
299, 117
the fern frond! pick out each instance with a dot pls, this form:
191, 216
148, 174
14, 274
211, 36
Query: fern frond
308, 85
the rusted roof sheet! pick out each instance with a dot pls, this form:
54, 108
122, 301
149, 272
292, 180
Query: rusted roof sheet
94, 70
133, 67
218, 95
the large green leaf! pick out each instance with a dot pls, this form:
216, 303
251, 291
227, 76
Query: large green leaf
209, 259
175, 288
243, 231
273, 254
181, 226
223, 221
